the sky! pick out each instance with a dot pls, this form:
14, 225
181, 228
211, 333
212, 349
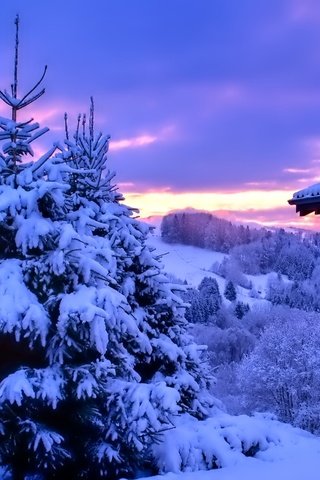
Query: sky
210, 104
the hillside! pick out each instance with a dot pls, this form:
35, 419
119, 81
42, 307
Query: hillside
293, 454
192, 264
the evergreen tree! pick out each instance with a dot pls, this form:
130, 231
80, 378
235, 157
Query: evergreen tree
170, 229
31, 207
241, 309
230, 292
96, 357
209, 299
194, 313
148, 345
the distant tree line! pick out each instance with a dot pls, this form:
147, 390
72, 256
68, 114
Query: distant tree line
252, 251
205, 230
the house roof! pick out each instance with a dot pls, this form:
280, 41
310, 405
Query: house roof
307, 200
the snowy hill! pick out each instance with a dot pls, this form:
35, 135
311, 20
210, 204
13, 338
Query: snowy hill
186, 262
193, 264
291, 453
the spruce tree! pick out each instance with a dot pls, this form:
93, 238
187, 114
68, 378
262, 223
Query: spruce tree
230, 291
31, 207
156, 373
97, 361
241, 309
209, 298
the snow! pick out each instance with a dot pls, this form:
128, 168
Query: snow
302, 463
116, 361
193, 264
82, 305
20, 311
311, 191
288, 452
284, 452
96, 322
15, 386
30, 231
48, 439
186, 262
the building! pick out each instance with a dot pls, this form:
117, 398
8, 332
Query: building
307, 200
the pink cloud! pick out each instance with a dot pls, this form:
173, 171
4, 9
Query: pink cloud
267, 185
166, 133
298, 170
133, 142
310, 172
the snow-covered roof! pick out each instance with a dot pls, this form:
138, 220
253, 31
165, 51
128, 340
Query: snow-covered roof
307, 200
308, 192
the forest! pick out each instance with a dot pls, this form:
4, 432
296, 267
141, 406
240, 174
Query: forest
263, 346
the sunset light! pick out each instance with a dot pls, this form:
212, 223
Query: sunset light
160, 240
269, 209
229, 125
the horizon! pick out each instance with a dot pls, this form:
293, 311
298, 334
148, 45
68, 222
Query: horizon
210, 106
155, 221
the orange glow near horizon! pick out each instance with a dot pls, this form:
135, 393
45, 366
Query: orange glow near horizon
158, 203
257, 206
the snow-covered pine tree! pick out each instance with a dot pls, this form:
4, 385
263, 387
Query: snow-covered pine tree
230, 291
125, 317
210, 298
31, 207
241, 309
95, 357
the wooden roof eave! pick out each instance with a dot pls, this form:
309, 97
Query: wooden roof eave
306, 205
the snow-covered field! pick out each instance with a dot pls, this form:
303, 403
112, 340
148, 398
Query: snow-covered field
193, 264
186, 262
295, 455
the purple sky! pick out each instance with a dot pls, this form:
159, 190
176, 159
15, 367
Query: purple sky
198, 96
